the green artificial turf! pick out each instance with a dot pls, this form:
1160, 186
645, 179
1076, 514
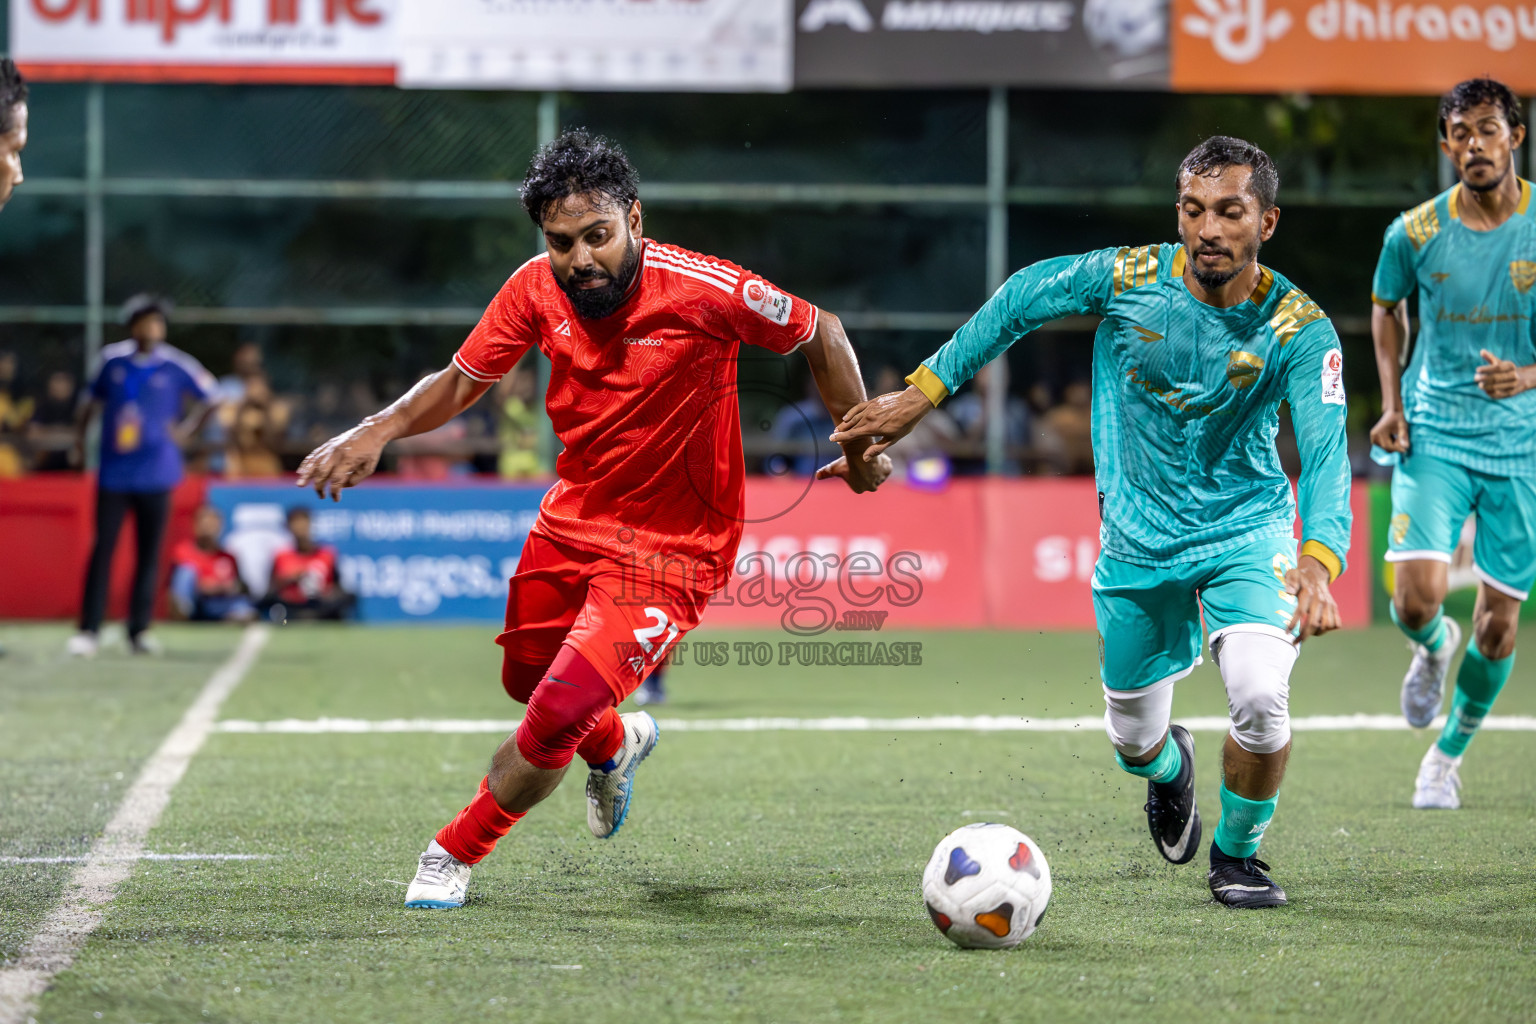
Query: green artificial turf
765, 876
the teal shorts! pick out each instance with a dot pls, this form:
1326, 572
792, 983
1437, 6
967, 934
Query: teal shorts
1149, 617
1431, 499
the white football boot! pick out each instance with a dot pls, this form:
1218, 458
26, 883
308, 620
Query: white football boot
1424, 685
82, 645
611, 786
1438, 786
441, 881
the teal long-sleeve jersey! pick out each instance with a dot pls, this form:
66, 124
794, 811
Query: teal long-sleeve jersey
1477, 290
1186, 401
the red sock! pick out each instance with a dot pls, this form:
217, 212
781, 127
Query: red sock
603, 742
474, 833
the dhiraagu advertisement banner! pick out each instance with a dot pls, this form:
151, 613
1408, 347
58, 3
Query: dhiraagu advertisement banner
409, 553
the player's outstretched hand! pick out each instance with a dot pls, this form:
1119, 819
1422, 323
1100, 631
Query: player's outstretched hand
1391, 432
862, 476
341, 462
886, 418
1316, 610
1500, 378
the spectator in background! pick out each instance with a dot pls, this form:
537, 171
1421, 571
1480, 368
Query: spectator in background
518, 419
51, 433
970, 413
809, 425
1067, 439
205, 579
304, 583
256, 426
246, 363
321, 418
153, 399
15, 412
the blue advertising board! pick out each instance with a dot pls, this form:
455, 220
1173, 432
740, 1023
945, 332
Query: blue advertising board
410, 552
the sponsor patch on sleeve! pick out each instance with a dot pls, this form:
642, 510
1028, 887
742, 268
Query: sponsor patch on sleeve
766, 301
1333, 377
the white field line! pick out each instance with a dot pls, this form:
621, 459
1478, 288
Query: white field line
937, 723
94, 883
142, 856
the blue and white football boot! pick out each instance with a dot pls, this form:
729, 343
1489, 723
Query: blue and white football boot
441, 881
611, 785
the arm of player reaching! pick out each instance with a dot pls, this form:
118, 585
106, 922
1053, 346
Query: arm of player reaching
836, 371
1314, 388
1391, 285
349, 458
1036, 295
1389, 330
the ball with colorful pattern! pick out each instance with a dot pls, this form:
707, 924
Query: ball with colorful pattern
987, 886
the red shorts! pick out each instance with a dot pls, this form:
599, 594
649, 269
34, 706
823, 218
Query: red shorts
621, 618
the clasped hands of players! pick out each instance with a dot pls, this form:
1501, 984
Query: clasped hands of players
1499, 378
886, 419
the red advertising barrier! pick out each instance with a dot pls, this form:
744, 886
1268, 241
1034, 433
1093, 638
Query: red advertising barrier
1003, 553
819, 556
815, 558
48, 523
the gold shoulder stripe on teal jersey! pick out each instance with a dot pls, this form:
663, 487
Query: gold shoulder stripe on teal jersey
1261, 290
1423, 223
1135, 267
1294, 312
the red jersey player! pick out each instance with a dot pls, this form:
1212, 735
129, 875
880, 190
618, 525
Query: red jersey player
643, 524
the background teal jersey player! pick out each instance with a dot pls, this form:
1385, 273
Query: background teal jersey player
1198, 347
1462, 417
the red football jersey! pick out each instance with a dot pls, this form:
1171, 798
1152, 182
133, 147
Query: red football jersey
318, 565
212, 568
645, 399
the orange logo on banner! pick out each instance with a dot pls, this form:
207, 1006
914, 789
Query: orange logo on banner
1351, 46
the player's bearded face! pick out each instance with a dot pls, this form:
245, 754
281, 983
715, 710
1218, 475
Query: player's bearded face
1480, 143
1214, 263
595, 291
1222, 224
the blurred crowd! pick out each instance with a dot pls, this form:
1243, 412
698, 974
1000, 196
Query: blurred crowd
254, 431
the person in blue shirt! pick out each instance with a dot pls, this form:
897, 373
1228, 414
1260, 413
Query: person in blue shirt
1198, 347
1459, 422
151, 398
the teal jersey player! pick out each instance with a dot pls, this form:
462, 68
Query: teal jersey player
1198, 346
1186, 401
1459, 421
1477, 293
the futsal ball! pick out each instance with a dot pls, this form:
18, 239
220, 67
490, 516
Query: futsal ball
986, 886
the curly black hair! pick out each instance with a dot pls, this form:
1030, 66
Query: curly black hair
1474, 92
13, 93
1219, 152
578, 163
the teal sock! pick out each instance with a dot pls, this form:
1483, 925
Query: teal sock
1477, 686
1165, 767
1431, 635
1242, 823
